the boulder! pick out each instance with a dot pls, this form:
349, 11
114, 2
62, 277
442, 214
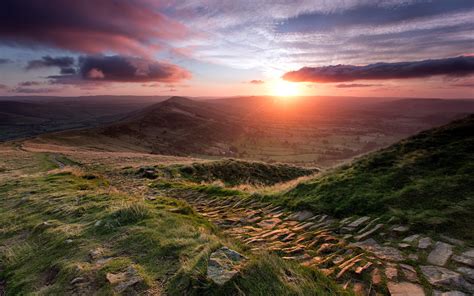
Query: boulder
223, 265
445, 278
440, 254
405, 289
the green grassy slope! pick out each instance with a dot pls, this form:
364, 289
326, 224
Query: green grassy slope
426, 180
235, 172
51, 221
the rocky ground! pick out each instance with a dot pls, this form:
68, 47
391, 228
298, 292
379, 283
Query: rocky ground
360, 253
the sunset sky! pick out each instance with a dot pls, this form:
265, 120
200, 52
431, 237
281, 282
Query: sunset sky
400, 48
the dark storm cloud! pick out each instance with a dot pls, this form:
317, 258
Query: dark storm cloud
99, 68
29, 83
5, 61
456, 67
355, 85
373, 14
128, 26
25, 90
64, 63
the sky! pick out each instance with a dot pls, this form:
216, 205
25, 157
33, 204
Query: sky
381, 48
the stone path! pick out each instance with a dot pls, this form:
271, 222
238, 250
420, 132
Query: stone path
360, 253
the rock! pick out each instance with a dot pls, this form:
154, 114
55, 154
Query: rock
449, 293
467, 272
413, 257
149, 173
424, 243
68, 241
411, 239
223, 265
359, 222
345, 220
359, 288
98, 223
121, 281
391, 273
405, 289
440, 254
404, 245
445, 278
346, 229
369, 232
347, 236
469, 253
400, 229
301, 215
77, 280
453, 241
463, 260
382, 252
269, 223
96, 253
376, 277
409, 272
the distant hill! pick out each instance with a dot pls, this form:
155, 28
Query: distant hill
425, 180
31, 115
309, 131
177, 126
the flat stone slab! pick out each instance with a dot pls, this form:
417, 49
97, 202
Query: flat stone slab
269, 223
467, 272
382, 252
464, 260
411, 239
405, 289
424, 243
440, 254
301, 215
359, 222
223, 265
449, 293
469, 253
368, 233
445, 278
400, 229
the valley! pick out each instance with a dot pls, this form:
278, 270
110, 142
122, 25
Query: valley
308, 131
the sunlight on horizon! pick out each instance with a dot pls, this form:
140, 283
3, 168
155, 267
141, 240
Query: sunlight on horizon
283, 88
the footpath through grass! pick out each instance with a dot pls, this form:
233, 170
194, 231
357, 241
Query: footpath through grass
426, 181
62, 231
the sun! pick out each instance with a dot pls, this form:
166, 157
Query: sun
285, 89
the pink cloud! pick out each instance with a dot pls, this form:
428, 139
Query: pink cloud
125, 26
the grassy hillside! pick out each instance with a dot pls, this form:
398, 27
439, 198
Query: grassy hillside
426, 180
235, 172
70, 230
